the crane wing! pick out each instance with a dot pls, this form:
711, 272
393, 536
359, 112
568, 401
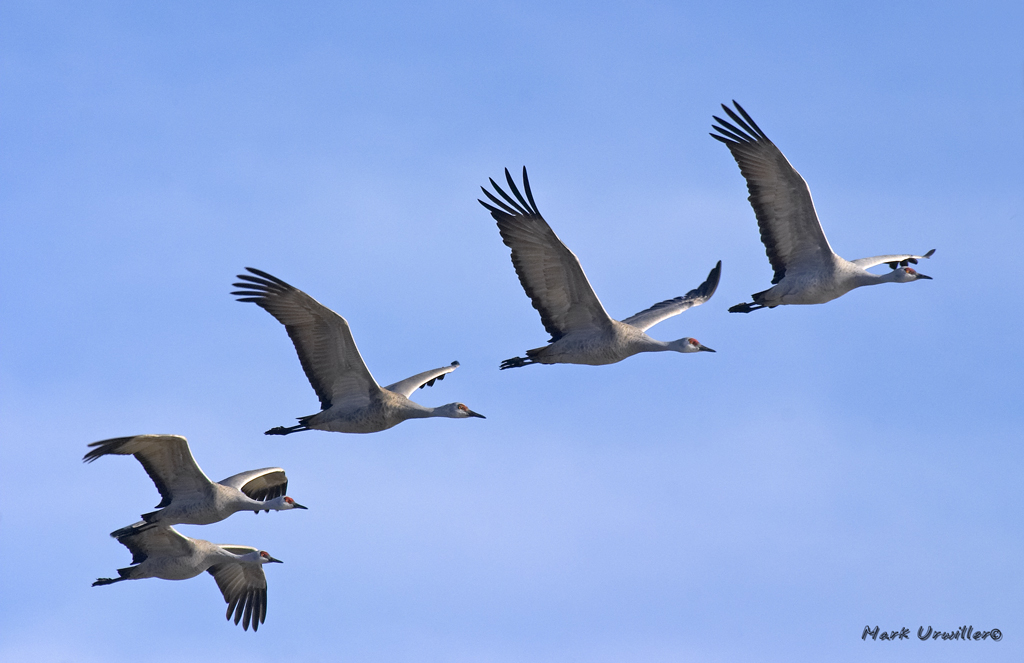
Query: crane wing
263, 485
157, 542
893, 260
550, 273
790, 230
244, 587
407, 386
322, 339
167, 460
646, 319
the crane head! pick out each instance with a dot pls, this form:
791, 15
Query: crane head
265, 558
289, 503
693, 345
464, 411
456, 411
908, 274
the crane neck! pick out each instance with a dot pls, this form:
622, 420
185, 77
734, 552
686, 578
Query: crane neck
644, 343
239, 501
416, 411
864, 277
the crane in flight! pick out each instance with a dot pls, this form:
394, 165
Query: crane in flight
351, 400
163, 552
807, 271
581, 330
189, 497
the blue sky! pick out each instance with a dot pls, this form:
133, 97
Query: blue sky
829, 467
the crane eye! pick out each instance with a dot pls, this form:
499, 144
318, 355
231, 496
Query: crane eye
264, 554
908, 270
694, 341
289, 500
463, 407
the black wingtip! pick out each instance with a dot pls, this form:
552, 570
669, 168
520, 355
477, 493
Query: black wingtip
710, 284
529, 192
748, 129
515, 191
515, 204
261, 273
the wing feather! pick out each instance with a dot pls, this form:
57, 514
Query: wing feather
322, 339
244, 587
167, 460
157, 542
263, 485
646, 319
549, 272
893, 260
407, 386
790, 230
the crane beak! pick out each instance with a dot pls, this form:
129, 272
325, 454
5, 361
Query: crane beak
704, 348
275, 560
922, 276
299, 506
475, 414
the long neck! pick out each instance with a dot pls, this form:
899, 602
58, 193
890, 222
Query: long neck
414, 410
634, 341
451, 411
680, 345
649, 344
864, 277
276, 504
239, 501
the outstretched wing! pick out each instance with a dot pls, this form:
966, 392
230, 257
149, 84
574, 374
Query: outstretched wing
167, 460
893, 260
646, 319
244, 587
550, 273
262, 485
322, 339
407, 386
157, 541
790, 230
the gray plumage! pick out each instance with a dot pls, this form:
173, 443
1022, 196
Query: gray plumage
189, 496
163, 552
807, 270
581, 330
351, 400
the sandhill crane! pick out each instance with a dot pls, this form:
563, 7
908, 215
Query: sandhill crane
351, 399
581, 331
189, 497
163, 552
807, 271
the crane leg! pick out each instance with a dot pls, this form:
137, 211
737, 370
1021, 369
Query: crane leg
746, 308
281, 430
